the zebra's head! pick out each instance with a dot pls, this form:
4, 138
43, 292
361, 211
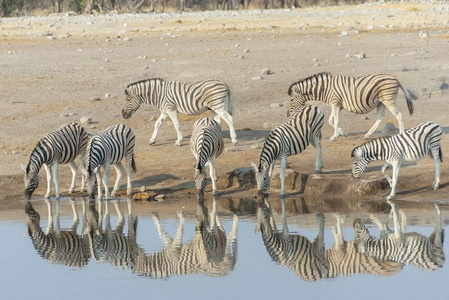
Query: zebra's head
31, 180
33, 219
90, 183
132, 103
360, 163
361, 233
262, 177
200, 177
297, 98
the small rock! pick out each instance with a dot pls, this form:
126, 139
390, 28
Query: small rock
257, 78
389, 129
64, 115
276, 105
159, 197
266, 71
237, 45
86, 120
95, 99
348, 55
232, 149
344, 33
107, 96
143, 188
153, 119
245, 51
423, 34
93, 127
255, 147
361, 55
370, 27
444, 86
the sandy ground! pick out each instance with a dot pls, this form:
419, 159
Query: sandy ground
58, 69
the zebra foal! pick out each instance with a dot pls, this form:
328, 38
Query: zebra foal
171, 97
61, 146
206, 145
292, 137
359, 95
410, 146
108, 148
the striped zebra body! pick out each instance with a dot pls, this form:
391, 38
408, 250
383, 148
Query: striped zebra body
414, 249
206, 145
61, 146
171, 97
412, 145
345, 260
355, 94
293, 137
109, 148
210, 252
58, 247
307, 259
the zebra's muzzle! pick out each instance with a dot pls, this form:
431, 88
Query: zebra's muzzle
125, 114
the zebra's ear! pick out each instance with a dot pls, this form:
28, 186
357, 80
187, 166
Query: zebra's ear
254, 167
23, 167
127, 90
265, 165
353, 153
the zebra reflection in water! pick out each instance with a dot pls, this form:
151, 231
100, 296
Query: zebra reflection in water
210, 252
412, 248
307, 259
108, 245
55, 245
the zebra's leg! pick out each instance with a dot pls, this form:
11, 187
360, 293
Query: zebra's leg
282, 174
230, 121
213, 175
437, 163
119, 170
384, 171
336, 115
173, 114
82, 161
129, 169
48, 171
158, 123
284, 218
55, 168
331, 123
99, 181
107, 195
316, 143
380, 118
50, 217
57, 224
76, 219
74, 169
395, 111
396, 167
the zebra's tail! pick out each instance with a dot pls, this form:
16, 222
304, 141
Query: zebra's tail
440, 153
133, 164
409, 96
230, 102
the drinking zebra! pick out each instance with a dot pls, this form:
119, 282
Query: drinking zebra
61, 146
108, 148
292, 137
410, 146
171, 97
359, 95
206, 145
307, 259
412, 248
62, 247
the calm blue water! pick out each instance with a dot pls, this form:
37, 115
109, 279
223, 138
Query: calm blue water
112, 261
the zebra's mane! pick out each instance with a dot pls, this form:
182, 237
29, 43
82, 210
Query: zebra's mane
143, 80
322, 75
373, 141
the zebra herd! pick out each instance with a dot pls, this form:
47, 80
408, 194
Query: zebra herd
303, 127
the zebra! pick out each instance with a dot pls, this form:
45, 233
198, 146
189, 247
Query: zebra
410, 146
307, 259
55, 245
206, 145
413, 248
292, 137
61, 146
171, 97
345, 260
108, 148
359, 95
210, 251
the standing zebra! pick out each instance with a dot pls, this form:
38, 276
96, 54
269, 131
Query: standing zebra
171, 97
108, 148
61, 146
410, 146
359, 95
293, 137
412, 248
307, 259
206, 145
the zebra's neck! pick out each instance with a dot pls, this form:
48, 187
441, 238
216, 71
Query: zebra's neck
41, 154
316, 88
154, 91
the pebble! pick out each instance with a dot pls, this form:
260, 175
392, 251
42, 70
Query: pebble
266, 71
255, 147
344, 33
153, 119
257, 78
86, 120
361, 55
107, 96
423, 34
245, 51
159, 198
348, 55
232, 149
276, 105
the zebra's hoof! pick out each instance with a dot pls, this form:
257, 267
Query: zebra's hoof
366, 137
178, 144
47, 196
435, 186
389, 198
152, 142
318, 172
216, 193
235, 142
333, 138
71, 191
